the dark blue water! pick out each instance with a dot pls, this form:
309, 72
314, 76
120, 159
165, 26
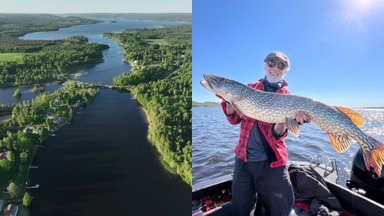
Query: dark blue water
214, 139
102, 163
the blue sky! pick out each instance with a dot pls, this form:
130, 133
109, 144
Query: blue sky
336, 48
95, 6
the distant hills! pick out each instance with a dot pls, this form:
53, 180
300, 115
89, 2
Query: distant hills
205, 104
14, 25
182, 17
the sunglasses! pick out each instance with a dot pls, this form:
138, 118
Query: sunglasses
272, 63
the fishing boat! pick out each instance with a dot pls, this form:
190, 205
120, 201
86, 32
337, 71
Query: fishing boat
363, 196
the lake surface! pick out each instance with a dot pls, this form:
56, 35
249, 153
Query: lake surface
214, 139
102, 163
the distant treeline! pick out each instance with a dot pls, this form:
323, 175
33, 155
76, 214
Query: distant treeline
15, 25
183, 17
161, 80
12, 25
205, 104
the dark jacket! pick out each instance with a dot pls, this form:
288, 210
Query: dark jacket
309, 186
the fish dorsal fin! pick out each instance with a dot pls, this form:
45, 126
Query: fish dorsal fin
354, 116
293, 127
339, 142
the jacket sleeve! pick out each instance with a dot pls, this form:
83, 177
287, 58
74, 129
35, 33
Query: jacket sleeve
270, 134
233, 118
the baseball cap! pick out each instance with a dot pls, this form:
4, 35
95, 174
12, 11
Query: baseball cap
278, 55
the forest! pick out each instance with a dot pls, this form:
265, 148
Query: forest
50, 63
161, 80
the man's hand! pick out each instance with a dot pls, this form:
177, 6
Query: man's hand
280, 128
229, 109
302, 117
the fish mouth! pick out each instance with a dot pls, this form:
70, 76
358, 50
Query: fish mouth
208, 81
211, 79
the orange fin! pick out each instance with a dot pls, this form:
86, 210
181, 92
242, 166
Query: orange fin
354, 116
377, 157
339, 142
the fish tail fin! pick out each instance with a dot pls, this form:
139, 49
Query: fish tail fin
375, 157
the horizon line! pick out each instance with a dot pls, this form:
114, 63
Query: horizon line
96, 13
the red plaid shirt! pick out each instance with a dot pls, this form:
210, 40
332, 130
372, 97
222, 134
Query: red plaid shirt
276, 142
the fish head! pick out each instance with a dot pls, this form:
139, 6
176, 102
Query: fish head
226, 88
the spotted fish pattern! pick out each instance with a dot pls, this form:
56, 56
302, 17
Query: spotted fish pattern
342, 124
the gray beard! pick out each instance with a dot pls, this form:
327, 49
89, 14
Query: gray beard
274, 80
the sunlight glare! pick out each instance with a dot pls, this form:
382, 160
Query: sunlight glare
364, 5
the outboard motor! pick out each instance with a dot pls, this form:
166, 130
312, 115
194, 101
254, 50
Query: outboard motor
366, 182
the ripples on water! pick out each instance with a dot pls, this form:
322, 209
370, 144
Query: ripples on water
214, 139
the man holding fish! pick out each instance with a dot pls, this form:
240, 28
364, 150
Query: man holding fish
266, 112
261, 154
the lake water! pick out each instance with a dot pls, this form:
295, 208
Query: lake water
213, 154
112, 65
102, 163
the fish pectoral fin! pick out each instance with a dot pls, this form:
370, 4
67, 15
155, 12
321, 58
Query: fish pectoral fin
354, 116
293, 127
339, 142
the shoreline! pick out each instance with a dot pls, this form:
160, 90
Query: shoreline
148, 120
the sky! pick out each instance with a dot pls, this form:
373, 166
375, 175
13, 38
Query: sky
95, 6
336, 48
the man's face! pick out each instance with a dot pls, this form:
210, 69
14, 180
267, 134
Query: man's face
275, 70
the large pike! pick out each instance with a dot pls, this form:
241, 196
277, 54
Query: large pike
341, 124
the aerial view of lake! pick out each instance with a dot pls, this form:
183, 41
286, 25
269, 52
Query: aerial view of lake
112, 66
214, 139
102, 163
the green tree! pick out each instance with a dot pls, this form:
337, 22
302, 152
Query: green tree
13, 189
27, 199
23, 157
10, 156
17, 92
